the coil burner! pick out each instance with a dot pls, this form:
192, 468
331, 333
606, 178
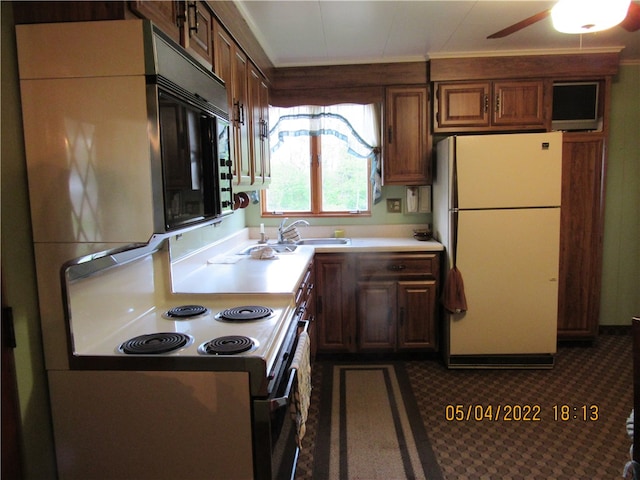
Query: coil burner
228, 345
245, 313
155, 343
186, 311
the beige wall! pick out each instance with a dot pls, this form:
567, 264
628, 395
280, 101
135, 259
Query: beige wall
620, 297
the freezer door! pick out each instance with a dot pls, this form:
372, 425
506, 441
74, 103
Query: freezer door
509, 263
507, 171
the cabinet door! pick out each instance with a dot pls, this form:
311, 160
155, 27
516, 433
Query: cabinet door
407, 138
240, 116
335, 303
230, 64
581, 225
223, 51
197, 30
164, 14
264, 122
259, 108
518, 103
376, 316
463, 104
417, 314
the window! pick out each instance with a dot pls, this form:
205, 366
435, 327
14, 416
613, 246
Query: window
322, 160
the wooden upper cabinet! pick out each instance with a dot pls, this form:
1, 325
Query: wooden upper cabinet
463, 105
198, 30
231, 65
492, 105
259, 110
240, 115
406, 138
187, 23
518, 103
166, 15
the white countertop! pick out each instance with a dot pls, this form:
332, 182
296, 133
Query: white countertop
218, 269
382, 244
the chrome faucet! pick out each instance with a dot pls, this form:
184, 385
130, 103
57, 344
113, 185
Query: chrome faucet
282, 229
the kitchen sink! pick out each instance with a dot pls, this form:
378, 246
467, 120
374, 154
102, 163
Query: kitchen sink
277, 247
324, 241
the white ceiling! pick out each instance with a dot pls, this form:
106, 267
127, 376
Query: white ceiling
333, 32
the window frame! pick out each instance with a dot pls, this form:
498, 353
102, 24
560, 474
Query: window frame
315, 186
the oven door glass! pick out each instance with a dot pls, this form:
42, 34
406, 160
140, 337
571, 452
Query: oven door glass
189, 168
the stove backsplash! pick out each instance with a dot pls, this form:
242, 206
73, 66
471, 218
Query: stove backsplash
113, 294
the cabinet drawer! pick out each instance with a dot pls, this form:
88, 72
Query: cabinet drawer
398, 265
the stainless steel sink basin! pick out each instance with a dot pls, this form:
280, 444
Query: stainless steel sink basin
324, 241
277, 247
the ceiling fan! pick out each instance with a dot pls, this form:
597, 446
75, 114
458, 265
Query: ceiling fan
631, 22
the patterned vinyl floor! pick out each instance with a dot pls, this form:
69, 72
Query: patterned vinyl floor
563, 423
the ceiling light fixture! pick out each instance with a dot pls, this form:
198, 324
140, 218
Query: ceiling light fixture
586, 16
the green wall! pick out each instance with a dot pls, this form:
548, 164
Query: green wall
18, 270
621, 258
620, 295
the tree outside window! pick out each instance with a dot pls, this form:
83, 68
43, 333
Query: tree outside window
322, 160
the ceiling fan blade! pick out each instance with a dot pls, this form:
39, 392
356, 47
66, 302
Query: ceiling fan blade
631, 23
520, 25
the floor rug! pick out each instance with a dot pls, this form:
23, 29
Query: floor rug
370, 427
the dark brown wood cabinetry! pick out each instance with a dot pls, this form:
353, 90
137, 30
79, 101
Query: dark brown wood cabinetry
407, 136
461, 87
247, 92
583, 166
491, 105
259, 110
231, 65
377, 302
335, 302
306, 305
187, 23
164, 14
396, 303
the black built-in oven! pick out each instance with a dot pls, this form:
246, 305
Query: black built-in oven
196, 167
188, 115
274, 434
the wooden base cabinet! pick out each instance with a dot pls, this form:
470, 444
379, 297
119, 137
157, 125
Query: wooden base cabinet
377, 315
306, 305
377, 302
397, 306
581, 232
335, 302
396, 315
417, 314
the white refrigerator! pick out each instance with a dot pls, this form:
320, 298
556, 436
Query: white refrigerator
499, 197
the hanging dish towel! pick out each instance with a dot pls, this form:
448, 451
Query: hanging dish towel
453, 297
302, 394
